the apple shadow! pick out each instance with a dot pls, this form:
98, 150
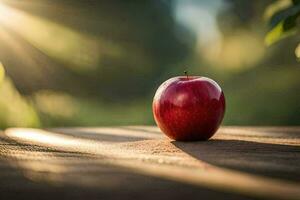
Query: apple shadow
271, 160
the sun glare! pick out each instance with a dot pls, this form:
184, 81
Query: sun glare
60, 42
5, 13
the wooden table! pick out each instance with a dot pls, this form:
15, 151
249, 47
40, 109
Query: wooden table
139, 162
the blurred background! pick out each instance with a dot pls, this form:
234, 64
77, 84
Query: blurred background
93, 63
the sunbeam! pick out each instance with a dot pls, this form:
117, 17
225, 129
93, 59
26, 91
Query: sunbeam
77, 50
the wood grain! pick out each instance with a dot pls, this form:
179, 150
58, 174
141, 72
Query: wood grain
140, 162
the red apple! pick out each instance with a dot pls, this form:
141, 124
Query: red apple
189, 108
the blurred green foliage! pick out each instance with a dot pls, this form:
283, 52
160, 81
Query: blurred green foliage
15, 109
92, 63
283, 18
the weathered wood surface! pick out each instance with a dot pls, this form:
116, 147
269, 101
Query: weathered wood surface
139, 162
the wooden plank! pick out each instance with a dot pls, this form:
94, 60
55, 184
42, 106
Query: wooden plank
237, 163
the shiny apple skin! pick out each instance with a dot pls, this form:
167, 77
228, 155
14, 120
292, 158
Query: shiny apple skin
189, 108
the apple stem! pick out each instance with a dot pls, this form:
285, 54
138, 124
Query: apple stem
186, 73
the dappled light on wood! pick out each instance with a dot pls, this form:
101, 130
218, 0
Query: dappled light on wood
146, 151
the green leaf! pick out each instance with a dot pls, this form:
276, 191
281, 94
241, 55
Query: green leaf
276, 7
285, 27
278, 32
290, 13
